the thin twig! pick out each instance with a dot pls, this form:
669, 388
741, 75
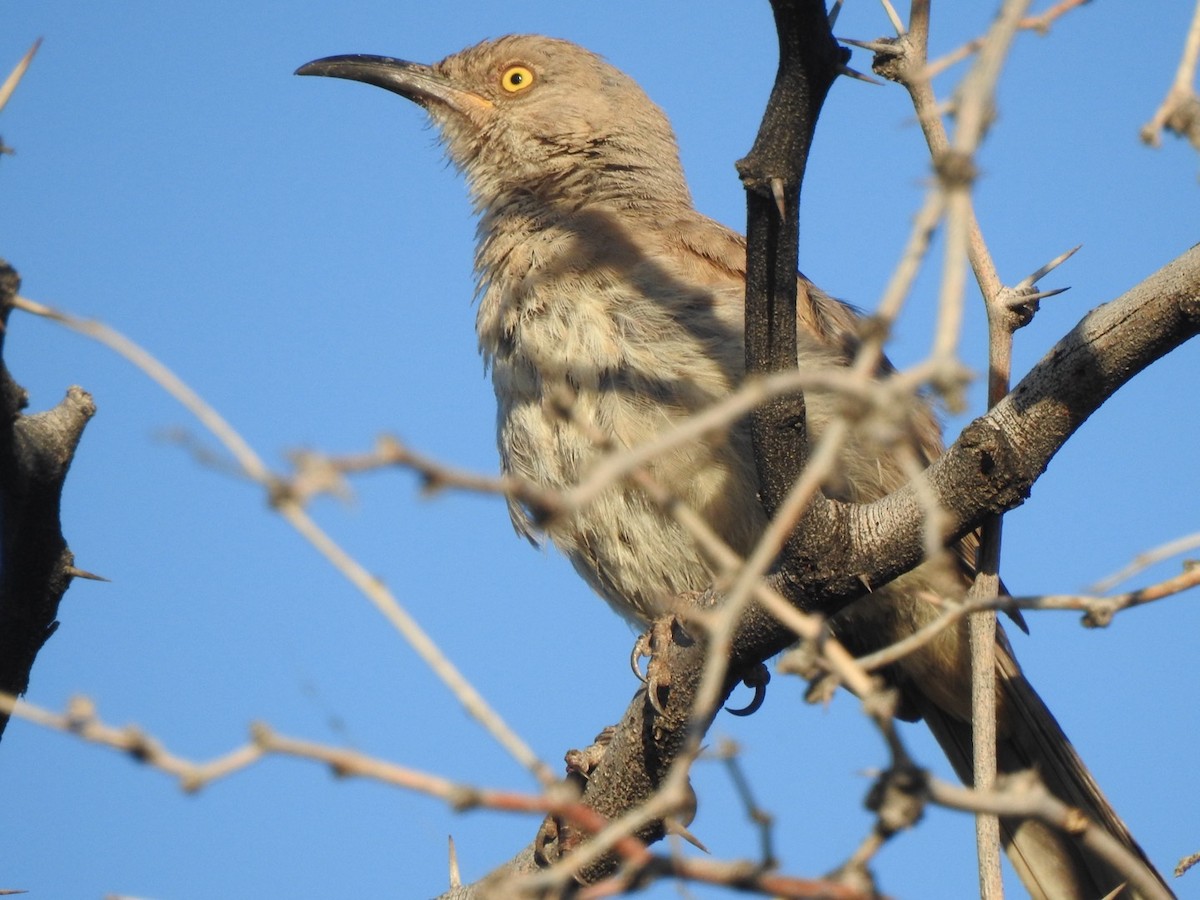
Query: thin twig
82, 721
1186, 863
745, 877
1145, 560
763, 820
1040, 23
1097, 612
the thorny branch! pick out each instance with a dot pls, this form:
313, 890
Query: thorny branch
36, 567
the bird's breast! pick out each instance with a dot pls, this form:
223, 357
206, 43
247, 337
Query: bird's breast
585, 364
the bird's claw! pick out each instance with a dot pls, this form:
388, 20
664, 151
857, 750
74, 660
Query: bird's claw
758, 678
641, 650
658, 675
557, 836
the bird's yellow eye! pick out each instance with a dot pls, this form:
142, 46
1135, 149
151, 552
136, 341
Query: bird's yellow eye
516, 79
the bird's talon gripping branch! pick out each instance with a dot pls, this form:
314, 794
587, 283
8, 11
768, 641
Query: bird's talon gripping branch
547, 848
583, 762
757, 678
658, 672
640, 651
556, 836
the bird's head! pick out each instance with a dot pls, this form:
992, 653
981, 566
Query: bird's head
531, 114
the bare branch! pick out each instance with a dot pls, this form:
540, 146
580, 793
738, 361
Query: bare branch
1186, 863
1180, 110
1144, 560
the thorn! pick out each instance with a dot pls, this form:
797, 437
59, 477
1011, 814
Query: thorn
1045, 270
33, 307
83, 573
894, 17
14, 77
1019, 299
455, 874
854, 73
777, 193
884, 46
673, 826
834, 11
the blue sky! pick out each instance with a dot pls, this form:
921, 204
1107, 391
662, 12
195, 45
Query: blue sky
300, 253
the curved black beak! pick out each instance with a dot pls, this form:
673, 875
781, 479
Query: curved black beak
416, 81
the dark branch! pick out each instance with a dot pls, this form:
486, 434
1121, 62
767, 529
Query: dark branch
772, 174
35, 563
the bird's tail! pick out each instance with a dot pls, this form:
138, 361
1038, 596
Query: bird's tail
1051, 864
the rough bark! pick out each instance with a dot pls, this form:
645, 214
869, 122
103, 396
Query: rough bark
35, 562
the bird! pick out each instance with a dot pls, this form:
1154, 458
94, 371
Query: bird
600, 282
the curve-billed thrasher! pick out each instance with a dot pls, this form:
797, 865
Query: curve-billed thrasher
599, 281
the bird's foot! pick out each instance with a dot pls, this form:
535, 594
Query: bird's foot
557, 837
657, 678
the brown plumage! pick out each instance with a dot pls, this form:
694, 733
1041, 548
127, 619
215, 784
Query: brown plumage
598, 280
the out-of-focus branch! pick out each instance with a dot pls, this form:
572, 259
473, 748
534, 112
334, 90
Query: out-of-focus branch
1040, 23
640, 866
1098, 612
1023, 795
1186, 863
1149, 558
1180, 109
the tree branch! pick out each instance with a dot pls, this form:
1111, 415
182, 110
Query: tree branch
36, 567
772, 173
